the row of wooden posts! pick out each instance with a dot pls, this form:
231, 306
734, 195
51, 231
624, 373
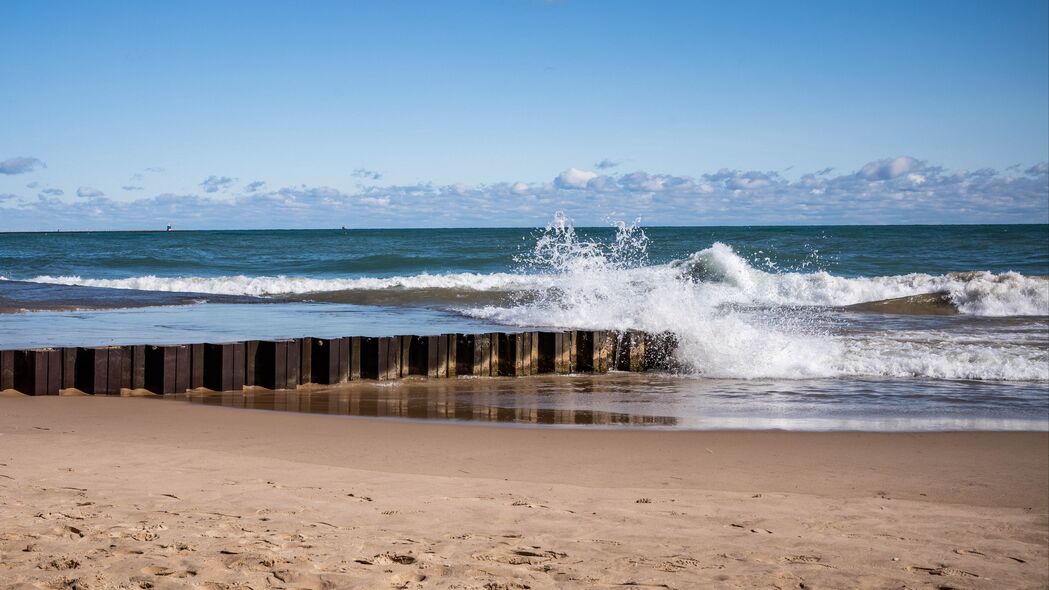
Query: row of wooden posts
286, 364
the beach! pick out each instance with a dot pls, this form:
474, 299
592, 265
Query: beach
147, 493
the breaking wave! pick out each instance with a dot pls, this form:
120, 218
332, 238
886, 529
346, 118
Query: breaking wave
580, 270
731, 319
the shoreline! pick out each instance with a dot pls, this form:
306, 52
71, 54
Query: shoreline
141, 492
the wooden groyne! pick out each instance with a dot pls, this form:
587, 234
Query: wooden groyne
287, 364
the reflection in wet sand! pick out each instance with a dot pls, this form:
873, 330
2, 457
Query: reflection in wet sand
547, 401
660, 400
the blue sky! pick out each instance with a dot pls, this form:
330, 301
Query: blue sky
315, 114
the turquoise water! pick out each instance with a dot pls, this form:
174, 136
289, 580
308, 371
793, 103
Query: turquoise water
843, 250
775, 324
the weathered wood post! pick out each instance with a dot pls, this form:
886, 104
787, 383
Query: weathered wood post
272, 362
355, 351
449, 360
196, 365
224, 366
32, 373
163, 371
505, 364
138, 366
345, 351
631, 355
433, 357
546, 349
480, 355
390, 349
305, 360
583, 347
659, 351
326, 364
605, 349
68, 368
7, 369
373, 358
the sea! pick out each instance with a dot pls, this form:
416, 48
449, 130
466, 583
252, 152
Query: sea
910, 328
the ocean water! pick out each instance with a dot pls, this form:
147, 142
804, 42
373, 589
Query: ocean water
778, 326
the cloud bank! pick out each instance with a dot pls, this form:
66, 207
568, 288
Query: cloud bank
894, 190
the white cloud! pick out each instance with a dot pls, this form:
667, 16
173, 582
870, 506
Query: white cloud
574, 178
889, 169
520, 188
924, 194
89, 192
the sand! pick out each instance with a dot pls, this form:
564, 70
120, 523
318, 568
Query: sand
147, 493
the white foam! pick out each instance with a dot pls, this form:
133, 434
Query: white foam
266, 286
731, 319
708, 302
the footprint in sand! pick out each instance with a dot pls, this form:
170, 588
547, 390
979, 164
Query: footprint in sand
388, 558
61, 563
942, 571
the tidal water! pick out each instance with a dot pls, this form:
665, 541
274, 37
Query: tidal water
778, 326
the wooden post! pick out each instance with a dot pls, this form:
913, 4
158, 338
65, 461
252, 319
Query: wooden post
482, 355
138, 367
659, 350
356, 358
161, 369
604, 350
451, 355
31, 372
433, 356
320, 361
573, 346
196, 366
373, 358
269, 363
54, 371
183, 368
346, 352
447, 356
239, 376
583, 348
635, 355
533, 347
522, 356
68, 368
464, 354
504, 356
305, 361
405, 357
383, 365
294, 351
7, 369
125, 369
251, 351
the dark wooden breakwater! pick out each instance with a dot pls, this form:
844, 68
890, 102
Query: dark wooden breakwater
287, 364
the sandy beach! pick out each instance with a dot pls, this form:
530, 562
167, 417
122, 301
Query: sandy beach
147, 493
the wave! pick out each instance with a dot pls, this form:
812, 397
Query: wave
731, 319
589, 272
976, 293
276, 286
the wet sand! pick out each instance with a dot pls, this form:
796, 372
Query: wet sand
134, 492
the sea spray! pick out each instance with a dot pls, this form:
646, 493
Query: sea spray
737, 312
734, 321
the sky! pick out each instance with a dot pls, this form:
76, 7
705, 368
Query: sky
127, 115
